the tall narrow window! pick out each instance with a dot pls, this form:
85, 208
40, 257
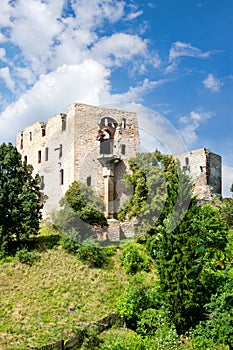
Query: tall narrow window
186, 161
89, 181
61, 177
123, 123
30, 136
46, 154
21, 140
123, 148
39, 156
43, 130
60, 151
63, 122
25, 159
42, 182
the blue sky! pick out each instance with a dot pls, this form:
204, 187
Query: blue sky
174, 57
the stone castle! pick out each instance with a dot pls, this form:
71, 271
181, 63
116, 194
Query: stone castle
93, 145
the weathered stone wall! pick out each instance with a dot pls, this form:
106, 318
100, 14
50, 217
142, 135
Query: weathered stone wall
67, 149
205, 170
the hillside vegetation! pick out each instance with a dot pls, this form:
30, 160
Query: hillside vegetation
47, 301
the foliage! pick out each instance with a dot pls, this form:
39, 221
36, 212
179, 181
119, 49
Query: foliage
155, 185
19, 199
71, 241
93, 256
217, 329
86, 205
227, 211
134, 258
188, 260
27, 257
135, 299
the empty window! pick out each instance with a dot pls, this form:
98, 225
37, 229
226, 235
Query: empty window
186, 161
21, 140
123, 123
89, 181
123, 148
43, 130
106, 146
60, 151
63, 122
30, 136
46, 153
25, 159
42, 182
39, 156
61, 177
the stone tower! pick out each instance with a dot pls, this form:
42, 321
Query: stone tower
88, 144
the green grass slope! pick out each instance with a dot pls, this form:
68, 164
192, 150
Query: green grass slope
49, 300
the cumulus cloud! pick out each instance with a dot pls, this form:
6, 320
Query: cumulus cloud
118, 48
53, 93
212, 83
181, 49
190, 123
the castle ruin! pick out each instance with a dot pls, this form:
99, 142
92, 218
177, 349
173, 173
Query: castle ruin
93, 145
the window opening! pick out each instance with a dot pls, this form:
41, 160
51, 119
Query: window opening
123, 123
123, 148
89, 181
39, 156
46, 153
63, 121
21, 140
60, 151
61, 177
30, 136
25, 159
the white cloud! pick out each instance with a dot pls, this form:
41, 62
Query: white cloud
53, 93
118, 48
227, 173
134, 15
190, 123
6, 76
181, 49
212, 83
135, 94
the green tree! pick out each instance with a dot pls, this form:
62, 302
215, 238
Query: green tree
85, 204
19, 199
155, 183
189, 261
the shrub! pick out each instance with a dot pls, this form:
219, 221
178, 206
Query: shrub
93, 256
134, 258
134, 300
26, 257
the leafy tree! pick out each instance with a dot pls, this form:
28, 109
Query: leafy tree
155, 184
187, 240
19, 199
84, 204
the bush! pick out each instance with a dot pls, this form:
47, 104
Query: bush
134, 258
93, 256
134, 300
26, 257
72, 241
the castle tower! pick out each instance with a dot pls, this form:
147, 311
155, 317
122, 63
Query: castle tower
90, 144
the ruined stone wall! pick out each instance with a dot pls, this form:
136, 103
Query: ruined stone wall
67, 149
48, 148
205, 170
88, 168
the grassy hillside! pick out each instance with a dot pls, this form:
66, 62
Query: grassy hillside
47, 301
